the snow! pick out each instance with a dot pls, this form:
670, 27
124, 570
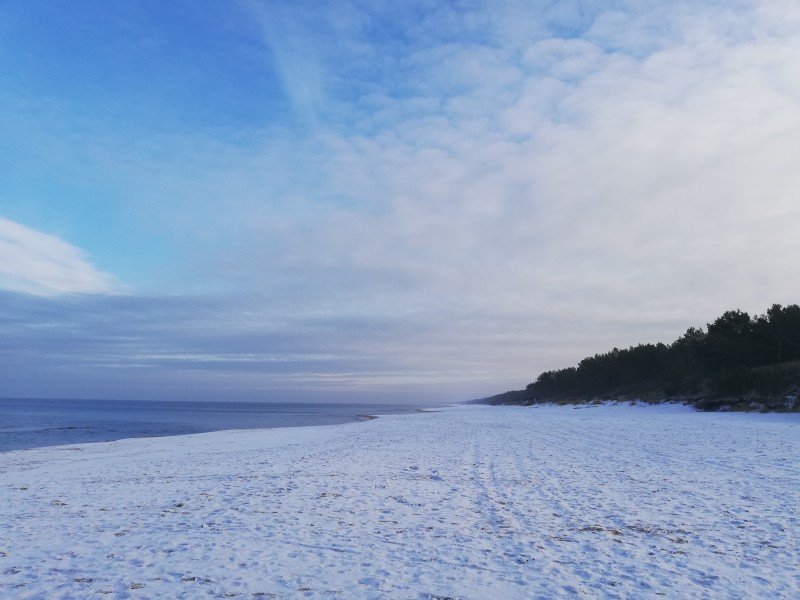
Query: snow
470, 502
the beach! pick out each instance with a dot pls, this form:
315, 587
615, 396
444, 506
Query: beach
468, 502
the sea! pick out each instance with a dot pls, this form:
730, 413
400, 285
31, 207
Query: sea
36, 423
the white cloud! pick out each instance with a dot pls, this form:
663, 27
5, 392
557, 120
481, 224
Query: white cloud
38, 263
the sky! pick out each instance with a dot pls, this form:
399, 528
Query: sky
366, 200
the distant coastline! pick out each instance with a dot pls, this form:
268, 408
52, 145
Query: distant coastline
738, 363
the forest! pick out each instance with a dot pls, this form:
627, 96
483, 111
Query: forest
737, 362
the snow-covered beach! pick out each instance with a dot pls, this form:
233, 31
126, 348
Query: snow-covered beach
470, 502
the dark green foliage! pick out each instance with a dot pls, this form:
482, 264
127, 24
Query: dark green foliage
732, 382
726, 359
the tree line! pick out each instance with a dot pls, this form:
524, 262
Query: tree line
729, 357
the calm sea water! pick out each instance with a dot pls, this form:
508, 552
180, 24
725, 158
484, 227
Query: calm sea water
36, 423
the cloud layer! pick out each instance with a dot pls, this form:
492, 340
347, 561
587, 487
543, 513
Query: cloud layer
638, 172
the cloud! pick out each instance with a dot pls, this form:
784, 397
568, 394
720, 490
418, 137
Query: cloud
299, 39
43, 265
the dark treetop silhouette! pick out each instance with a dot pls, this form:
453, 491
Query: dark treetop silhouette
738, 362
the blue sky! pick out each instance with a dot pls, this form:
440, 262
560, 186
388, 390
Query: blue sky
338, 200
